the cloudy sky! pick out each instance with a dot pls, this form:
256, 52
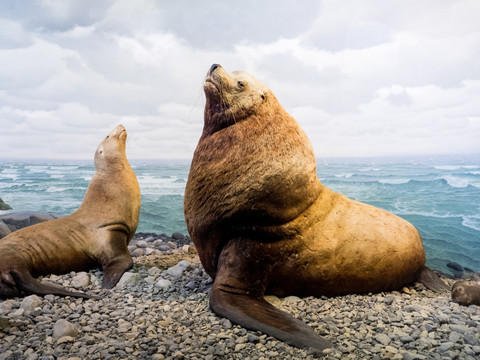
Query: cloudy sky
362, 77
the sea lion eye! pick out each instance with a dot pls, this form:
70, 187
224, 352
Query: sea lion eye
263, 96
108, 136
240, 84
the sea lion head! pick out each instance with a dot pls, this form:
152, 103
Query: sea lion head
231, 97
466, 293
110, 152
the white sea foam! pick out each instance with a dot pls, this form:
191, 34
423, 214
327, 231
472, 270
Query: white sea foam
408, 209
457, 182
153, 186
36, 168
456, 167
64, 167
472, 222
9, 174
346, 176
394, 181
9, 171
56, 189
57, 176
369, 169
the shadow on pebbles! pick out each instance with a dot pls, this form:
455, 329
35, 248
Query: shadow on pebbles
159, 310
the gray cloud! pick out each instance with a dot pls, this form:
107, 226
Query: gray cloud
362, 78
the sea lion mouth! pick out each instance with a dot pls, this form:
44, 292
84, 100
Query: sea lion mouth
211, 81
123, 134
212, 90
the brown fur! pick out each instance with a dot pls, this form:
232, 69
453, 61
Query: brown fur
257, 179
466, 293
262, 221
96, 234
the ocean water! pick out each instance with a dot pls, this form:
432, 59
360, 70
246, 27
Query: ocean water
439, 195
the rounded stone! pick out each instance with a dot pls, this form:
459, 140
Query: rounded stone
64, 328
30, 303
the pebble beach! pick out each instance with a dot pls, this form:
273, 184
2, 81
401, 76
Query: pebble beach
159, 310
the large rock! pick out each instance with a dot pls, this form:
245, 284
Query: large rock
4, 206
4, 229
21, 219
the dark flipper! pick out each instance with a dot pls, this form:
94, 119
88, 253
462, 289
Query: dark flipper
431, 280
237, 294
7, 290
113, 271
119, 260
27, 283
257, 314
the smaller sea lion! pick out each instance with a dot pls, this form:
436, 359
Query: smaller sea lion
466, 293
96, 234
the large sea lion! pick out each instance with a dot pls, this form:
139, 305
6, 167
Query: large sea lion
262, 221
96, 234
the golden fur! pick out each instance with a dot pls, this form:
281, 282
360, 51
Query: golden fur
97, 234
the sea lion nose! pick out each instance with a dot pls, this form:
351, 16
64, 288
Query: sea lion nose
212, 69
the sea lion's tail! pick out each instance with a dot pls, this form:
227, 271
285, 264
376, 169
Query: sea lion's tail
431, 280
25, 282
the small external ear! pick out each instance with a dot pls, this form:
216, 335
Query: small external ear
263, 96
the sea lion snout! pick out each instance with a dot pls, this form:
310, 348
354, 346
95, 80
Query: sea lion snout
213, 68
118, 132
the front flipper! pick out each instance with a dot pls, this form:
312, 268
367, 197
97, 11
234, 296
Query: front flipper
237, 294
115, 256
257, 314
431, 280
25, 282
113, 271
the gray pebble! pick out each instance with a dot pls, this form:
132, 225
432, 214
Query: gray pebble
383, 339
175, 271
178, 236
163, 284
128, 279
31, 302
81, 280
142, 244
64, 328
138, 252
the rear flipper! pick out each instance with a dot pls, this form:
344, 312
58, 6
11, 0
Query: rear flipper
432, 281
257, 314
25, 282
7, 290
